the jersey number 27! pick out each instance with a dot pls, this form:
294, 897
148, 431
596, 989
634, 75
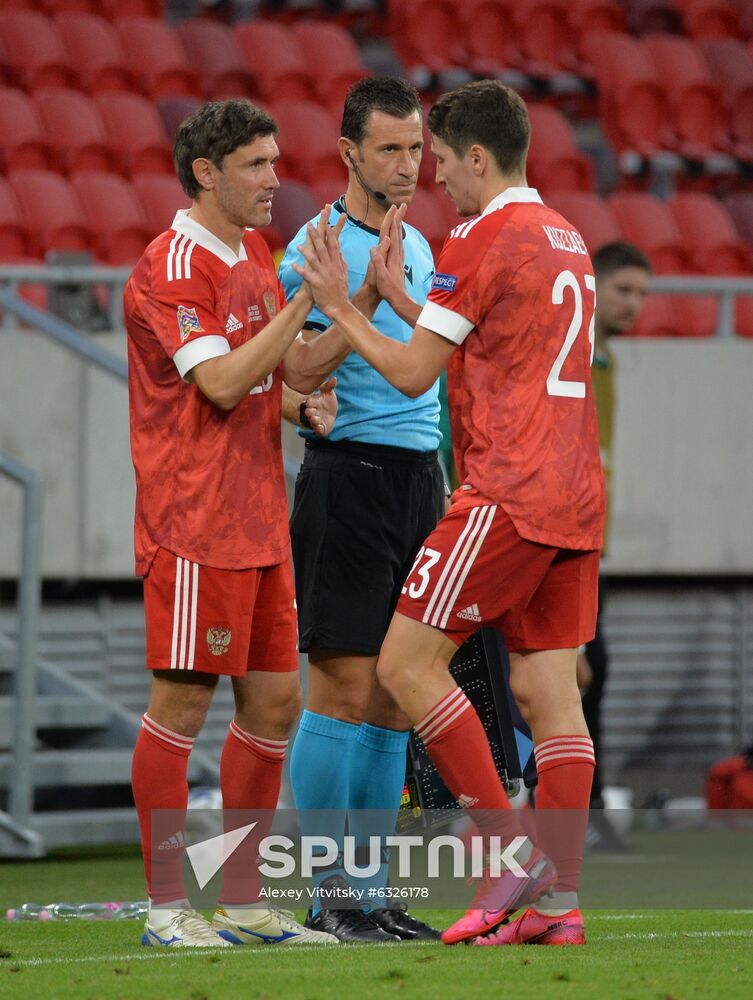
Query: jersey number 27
556, 386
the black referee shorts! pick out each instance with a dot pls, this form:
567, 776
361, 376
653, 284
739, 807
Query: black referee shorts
360, 515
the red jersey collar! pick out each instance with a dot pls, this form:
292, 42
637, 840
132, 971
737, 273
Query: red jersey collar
184, 225
510, 195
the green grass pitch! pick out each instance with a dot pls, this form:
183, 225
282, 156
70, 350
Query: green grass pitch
631, 955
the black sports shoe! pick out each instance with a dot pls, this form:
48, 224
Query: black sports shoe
350, 926
408, 928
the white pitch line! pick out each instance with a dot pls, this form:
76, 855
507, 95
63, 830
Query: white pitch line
153, 956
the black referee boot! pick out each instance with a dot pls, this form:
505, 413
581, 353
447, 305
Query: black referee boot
350, 926
398, 921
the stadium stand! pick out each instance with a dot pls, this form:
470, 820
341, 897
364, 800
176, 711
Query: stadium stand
156, 49
15, 239
114, 215
703, 18
136, 133
52, 211
274, 58
646, 16
591, 216
555, 163
95, 51
308, 140
23, 139
490, 37
632, 106
425, 216
740, 206
174, 110
160, 196
694, 99
214, 51
731, 64
75, 130
646, 221
294, 204
335, 55
34, 50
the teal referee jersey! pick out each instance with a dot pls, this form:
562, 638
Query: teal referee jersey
370, 409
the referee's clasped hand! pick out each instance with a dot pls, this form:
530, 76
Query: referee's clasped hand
321, 407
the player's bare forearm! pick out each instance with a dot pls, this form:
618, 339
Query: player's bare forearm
412, 368
228, 379
313, 356
407, 309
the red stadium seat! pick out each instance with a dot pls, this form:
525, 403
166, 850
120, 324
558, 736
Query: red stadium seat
426, 216
136, 8
75, 129
554, 162
114, 215
590, 214
275, 60
327, 191
707, 227
587, 17
35, 51
646, 16
632, 105
706, 18
334, 53
96, 52
545, 37
161, 196
23, 141
708, 230
647, 221
174, 110
136, 133
659, 317
307, 140
740, 207
15, 239
158, 56
731, 65
694, 99
490, 36
213, 50
425, 35
294, 204
52, 211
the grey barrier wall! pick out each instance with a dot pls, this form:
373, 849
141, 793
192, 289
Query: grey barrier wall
683, 481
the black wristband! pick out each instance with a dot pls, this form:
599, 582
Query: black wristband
304, 420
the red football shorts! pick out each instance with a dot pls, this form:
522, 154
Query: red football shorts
474, 569
219, 621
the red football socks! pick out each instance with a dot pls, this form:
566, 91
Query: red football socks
158, 780
565, 765
456, 742
250, 776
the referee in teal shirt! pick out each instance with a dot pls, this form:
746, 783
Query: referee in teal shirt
365, 499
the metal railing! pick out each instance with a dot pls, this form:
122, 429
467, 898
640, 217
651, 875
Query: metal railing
21, 787
725, 289
12, 276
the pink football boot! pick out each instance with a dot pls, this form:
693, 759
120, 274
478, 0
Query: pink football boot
497, 898
535, 928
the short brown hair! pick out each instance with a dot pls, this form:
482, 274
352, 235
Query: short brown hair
488, 113
214, 131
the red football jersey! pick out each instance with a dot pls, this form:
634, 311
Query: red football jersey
209, 483
515, 290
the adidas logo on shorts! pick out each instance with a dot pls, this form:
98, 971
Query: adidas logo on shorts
233, 324
471, 613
